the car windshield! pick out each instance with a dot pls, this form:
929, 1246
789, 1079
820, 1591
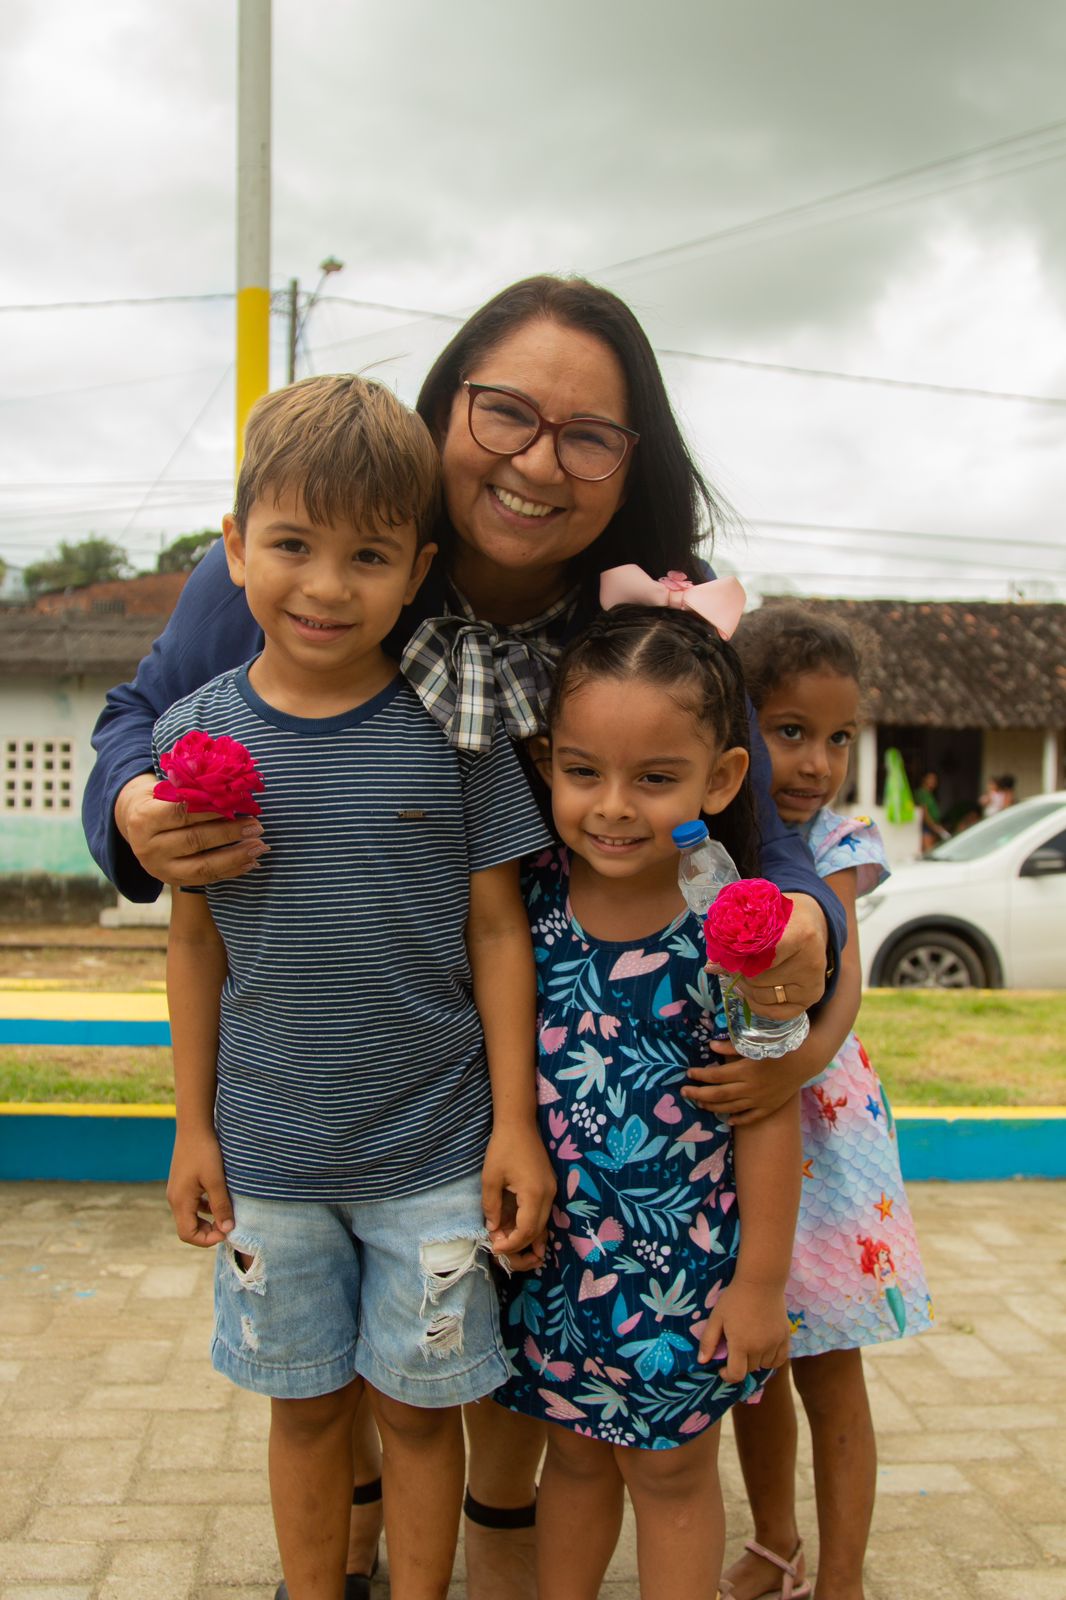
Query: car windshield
984, 837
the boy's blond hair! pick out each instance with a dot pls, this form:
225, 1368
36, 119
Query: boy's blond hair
349, 448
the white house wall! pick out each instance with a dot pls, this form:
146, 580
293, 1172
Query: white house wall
1019, 751
42, 708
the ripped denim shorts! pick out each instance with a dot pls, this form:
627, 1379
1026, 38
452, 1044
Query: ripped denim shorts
398, 1291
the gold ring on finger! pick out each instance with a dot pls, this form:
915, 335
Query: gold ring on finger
779, 994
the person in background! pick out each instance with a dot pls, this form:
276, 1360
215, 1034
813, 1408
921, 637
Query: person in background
925, 797
998, 796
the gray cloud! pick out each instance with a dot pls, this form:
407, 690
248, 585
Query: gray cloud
441, 151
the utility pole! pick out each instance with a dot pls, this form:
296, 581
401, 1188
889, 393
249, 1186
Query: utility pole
294, 325
253, 208
292, 307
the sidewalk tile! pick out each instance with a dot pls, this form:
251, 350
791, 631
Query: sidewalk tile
924, 1477
76, 1424
178, 1439
1034, 1583
51, 1591
121, 1524
985, 1446
163, 1570
240, 1547
91, 1472
27, 1561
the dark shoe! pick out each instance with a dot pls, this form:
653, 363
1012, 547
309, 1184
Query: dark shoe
356, 1587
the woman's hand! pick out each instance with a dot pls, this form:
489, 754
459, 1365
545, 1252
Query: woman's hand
197, 1192
752, 1320
517, 1190
180, 849
799, 967
740, 1091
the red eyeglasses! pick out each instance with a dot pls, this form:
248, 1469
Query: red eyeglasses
506, 423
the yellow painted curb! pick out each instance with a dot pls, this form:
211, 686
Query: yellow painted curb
80, 1006
76, 1108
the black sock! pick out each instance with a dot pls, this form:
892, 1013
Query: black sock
365, 1494
499, 1516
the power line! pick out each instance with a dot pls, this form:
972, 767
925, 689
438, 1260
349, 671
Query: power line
802, 208
126, 300
977, 563
906, 533
106, 483
96, 388
423, 314
177, 448
928, 579
865, 378
419, 313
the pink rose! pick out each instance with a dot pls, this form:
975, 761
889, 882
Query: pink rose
744, 925
210, 775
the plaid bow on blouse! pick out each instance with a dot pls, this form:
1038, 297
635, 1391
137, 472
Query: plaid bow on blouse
466, 671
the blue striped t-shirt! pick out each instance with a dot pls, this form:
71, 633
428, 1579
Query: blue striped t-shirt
351, 1060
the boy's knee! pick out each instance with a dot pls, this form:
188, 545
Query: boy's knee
416, 1425
318, 1413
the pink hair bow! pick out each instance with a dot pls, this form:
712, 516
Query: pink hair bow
720, 602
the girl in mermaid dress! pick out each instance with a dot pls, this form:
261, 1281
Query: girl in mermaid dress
856, 1276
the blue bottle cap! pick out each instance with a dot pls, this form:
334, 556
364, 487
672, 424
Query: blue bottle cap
689, 833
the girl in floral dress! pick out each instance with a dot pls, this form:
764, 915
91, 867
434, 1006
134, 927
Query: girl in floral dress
856, 1276
661, 1300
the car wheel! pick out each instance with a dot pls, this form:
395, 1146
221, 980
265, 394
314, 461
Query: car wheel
934, 960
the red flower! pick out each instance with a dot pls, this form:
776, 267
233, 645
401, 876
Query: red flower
208, 774
744, 925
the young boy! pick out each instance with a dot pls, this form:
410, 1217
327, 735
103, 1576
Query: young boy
353, 1021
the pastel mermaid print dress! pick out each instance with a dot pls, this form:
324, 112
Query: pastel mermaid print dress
856, 1275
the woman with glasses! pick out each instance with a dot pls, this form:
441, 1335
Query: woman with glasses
561, 458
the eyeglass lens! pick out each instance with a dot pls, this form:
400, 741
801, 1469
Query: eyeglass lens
585, 448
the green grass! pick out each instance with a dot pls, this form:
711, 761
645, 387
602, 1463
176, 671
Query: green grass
979, 1047
931, 1048
70, 1073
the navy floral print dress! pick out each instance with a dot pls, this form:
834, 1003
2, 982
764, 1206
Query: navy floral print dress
644, 1232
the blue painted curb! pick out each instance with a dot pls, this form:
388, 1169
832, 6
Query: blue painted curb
133, 1144
965, 1149
119, 1148
49, 1031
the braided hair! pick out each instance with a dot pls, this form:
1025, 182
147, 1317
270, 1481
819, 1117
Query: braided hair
681, 654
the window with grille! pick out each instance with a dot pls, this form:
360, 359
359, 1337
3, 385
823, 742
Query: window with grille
38, 776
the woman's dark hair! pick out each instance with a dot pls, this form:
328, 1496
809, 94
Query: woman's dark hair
779, 642
668, 506
677, 652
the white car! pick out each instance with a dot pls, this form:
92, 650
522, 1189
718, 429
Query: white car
985, 909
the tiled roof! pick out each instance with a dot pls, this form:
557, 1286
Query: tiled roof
961, 664
72, 643
153, 594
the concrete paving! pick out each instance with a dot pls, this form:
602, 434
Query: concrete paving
128, 1471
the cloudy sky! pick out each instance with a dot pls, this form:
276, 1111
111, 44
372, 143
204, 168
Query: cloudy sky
796, 199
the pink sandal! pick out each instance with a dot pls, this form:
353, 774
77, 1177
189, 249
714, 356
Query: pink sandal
793, 1587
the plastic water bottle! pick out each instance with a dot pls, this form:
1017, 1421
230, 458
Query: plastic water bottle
706, 867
